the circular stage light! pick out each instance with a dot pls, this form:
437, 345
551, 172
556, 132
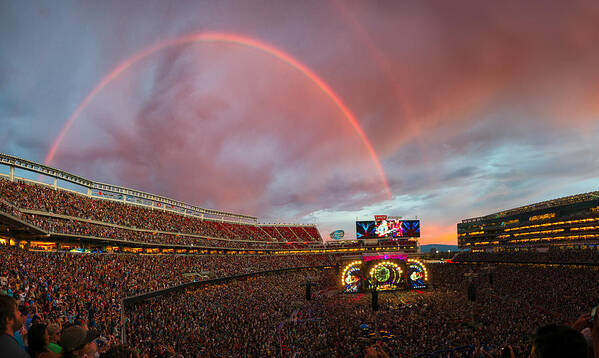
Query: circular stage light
351, 277
386, 276
382, 274
417, 274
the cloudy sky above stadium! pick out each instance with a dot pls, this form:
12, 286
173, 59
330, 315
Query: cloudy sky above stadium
469, 107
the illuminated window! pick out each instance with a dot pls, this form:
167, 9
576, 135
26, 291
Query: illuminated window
542, 217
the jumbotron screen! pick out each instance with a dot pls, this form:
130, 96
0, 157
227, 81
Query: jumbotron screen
387, 227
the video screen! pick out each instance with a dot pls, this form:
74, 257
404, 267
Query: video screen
365, 229
410, 228
387, 228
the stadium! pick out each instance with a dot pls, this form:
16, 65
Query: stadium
337, 179
177, 247
569, 221
166, 266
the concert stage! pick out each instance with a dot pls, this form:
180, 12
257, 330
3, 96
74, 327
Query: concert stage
387, 271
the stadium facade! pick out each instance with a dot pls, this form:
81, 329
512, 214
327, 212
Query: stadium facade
569, 221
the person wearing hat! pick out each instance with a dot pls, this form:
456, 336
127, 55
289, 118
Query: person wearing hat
11, 320
77, 342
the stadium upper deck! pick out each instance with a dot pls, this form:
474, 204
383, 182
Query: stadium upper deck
108, 215
570, 221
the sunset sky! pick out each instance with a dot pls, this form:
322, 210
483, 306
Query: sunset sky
311, 111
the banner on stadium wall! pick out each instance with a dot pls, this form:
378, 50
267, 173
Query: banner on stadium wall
135, 199
192, 212
385, 256
337, 234
107, 194
168, 206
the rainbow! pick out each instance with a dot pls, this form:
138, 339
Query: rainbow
231, 39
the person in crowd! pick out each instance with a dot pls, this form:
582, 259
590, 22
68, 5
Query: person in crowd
558, 341
54, 337
38, 340
21, 333
375, 351
76, 342
11, 320
120, 351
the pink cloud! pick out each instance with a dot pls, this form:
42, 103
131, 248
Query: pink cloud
440, 88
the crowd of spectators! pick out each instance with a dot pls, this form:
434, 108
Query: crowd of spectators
241, 318
83, 228
517, 298
552, 255
65, 287
119, 220
58, 211
269, 316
